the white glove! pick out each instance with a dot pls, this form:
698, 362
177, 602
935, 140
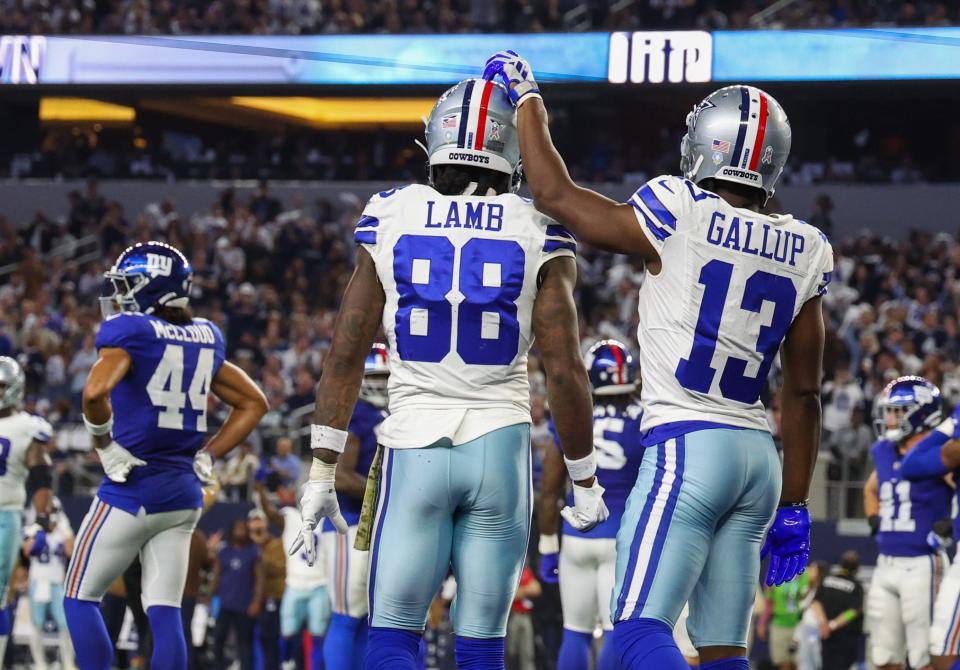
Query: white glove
588, 507
203, 467
118, 462
318, 501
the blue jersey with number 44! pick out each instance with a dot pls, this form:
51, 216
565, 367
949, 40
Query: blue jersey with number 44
712, 320
460, 277
908, 509
160, 407
616, 440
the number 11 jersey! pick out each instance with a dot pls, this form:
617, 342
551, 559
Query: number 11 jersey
460, 278
712, 320
160, 408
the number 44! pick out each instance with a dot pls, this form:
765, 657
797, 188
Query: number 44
166, 384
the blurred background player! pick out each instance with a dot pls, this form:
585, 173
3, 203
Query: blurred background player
306, 602
461, 274
273, 559
238, 581
346, 639
23, 439
838, 607
905, 516
931, 459
724, 283
48, 551
587, 561
145, 402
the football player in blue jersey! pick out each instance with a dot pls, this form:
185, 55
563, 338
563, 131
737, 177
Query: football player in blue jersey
906, 517
585, 565
461, 274
345, 644
726, 286
145, 404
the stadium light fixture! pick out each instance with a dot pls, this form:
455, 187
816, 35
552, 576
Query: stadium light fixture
83, 109
339, 112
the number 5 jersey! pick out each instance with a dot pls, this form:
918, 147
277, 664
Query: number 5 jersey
712, 320
160, 408
460, 276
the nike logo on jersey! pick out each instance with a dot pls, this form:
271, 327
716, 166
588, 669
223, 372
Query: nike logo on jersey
476, 215
756, 239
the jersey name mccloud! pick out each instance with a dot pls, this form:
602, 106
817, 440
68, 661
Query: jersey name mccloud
477, 215
192, 333
739, 234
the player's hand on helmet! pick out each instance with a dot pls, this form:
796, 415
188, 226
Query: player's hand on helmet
317, 501
118, 462
588, 507
203, 467
516, 74
787, 544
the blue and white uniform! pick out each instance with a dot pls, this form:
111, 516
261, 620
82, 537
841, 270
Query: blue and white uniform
160, 416
17, 432
460, 277
904, 586
711, 323
588, 559
305, 600
347, 566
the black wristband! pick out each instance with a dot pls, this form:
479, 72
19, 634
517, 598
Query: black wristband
802, 503
874, 521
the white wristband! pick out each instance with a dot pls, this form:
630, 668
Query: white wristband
325, 437
582, 468
96, 429
549, 544
320, 471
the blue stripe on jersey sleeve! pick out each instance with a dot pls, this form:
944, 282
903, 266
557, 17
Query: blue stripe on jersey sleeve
657, 231
555, 245
822, 289
559, 231
368, 222
365, 237
656, 207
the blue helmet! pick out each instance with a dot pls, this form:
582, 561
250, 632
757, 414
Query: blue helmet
376, 369
611, 369
913, 403
146, 276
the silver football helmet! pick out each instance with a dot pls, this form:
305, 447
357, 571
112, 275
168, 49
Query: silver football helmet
12, 381
473, 123
738, 134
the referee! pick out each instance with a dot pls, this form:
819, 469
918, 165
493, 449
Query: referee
839, 608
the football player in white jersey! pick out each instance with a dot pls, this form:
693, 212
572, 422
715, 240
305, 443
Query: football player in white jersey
726, 286
48, 550
23, 465
462, 274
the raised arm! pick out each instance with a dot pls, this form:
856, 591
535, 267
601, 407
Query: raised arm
357, 322
272, 513
595, 219
234, 387
40, 480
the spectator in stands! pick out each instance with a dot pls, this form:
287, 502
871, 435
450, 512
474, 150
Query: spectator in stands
779, 621
238, 473
520, 649
285, 463
839, 609
239, 582
274, 561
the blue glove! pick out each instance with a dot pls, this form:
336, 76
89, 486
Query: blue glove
938, 542
788, 544
39, 543
550, 568
516, 75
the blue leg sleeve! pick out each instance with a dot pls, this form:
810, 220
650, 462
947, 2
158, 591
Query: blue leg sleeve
316, 652
169, 644
647, 643
955, 666
608, 654
360, 644
342, 647
738, 663
5, 621
574, 651
480, 654
392, 649
91, 643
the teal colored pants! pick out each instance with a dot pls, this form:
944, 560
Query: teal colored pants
465, 507
692, 530
10, 539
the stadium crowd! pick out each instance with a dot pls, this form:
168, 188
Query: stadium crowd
272, 17
270, 274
